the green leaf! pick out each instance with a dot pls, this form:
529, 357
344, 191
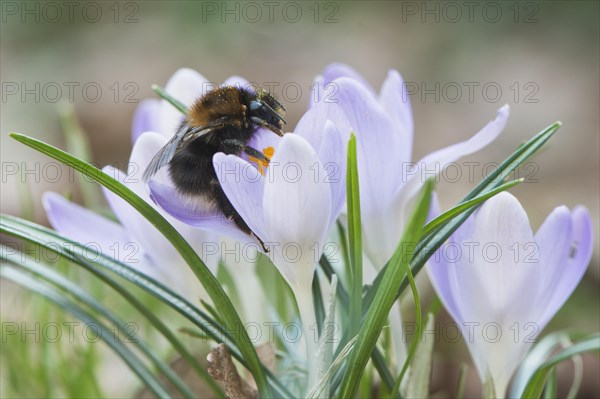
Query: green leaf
415, 342
462, 381
551, 386
431, 242
378, 359
538, 354
318, 302
465, 206
354, 238
535, 386
385, 296
134, 363
420, 372
172, 100
78, 144
83, 297
71, 250
206, 278
324, 355
54, 243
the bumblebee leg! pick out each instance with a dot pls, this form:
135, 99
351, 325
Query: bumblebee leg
230, 213
273, 128
256, 154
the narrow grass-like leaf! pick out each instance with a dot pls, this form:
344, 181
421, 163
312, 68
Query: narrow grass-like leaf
385, 296
551, 385
125, 293
167, 97
535, 386
377, 358
354, 238
420, 372
538, 354
318, 302
324, 352
206, 278
78, 144
436, 222
82, 296
577, 372
462, 381
134, 363
336, 366
431, 242
73, 251
417, 338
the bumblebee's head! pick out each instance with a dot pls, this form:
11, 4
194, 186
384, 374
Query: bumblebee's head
266, 111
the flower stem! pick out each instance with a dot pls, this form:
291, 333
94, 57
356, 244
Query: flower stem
309, 329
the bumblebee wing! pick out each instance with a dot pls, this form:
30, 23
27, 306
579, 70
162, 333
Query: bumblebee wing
174, 145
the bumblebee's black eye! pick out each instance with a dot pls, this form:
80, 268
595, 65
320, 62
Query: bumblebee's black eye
265, 112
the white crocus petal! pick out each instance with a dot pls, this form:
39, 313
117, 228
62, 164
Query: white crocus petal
74, 221
394, 98
244, 186
186, 85
332, 155
297, 210
501, 283
497, 277
581, 245
137, 226
297, 206
238, 82
438, 160
505, 284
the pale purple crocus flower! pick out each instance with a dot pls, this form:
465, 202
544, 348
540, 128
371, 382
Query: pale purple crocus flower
186, 86
389, 179
132, 239
502, 284
292, 207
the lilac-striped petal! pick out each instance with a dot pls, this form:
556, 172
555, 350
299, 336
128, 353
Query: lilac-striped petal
374, 133
238, 82
493, 275
243, 185
394, 99
337, 70
92, 230
263, 139
440, 270
137, 226
550, 250
142, 153
293, 191
438, 160
573, 267
186, 85
192, 214
312, 123
146, 118
295, 187
332, 155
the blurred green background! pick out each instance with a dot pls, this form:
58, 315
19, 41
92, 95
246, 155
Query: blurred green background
463, 61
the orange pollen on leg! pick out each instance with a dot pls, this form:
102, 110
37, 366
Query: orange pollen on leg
263, 163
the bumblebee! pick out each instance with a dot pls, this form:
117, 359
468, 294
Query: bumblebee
223, 120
